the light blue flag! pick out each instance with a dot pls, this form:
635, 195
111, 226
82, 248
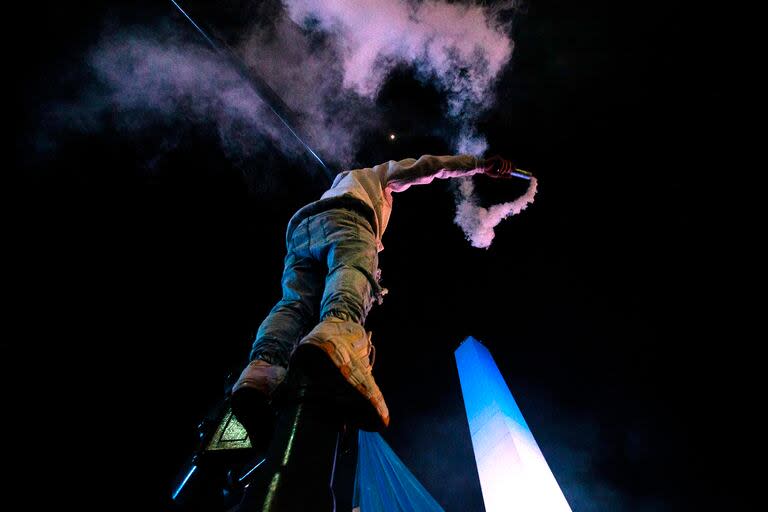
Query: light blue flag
383, 483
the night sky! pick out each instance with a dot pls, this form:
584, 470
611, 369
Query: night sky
145, 259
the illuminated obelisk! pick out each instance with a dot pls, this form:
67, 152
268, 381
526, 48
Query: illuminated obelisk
513, 473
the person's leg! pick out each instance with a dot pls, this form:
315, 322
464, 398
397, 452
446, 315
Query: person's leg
352, 259
280, 331
349, 248
296, 312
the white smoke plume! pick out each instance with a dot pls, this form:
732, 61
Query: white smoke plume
331, 82
150, 78
155, 77
470, 142
327, 59
462, 47
478, 222
307, 74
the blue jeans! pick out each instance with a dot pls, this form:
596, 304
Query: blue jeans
330, 270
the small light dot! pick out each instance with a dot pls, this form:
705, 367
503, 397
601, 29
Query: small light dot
391, 136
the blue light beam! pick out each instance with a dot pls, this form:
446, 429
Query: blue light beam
184, 482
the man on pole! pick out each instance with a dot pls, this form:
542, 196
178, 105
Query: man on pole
330, 282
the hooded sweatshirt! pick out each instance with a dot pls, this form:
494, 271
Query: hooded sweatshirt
370, 190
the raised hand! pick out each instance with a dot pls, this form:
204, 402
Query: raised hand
498, 167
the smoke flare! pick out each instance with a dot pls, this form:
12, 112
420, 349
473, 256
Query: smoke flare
477, 222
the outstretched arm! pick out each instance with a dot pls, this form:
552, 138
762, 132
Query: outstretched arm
398, 176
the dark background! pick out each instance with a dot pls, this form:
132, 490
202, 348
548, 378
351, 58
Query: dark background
141, 287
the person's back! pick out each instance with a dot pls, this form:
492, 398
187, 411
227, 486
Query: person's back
370, 189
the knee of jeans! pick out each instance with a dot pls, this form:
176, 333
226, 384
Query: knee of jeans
352, 273
298, 306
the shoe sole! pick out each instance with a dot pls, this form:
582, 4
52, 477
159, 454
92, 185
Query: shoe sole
358, 412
